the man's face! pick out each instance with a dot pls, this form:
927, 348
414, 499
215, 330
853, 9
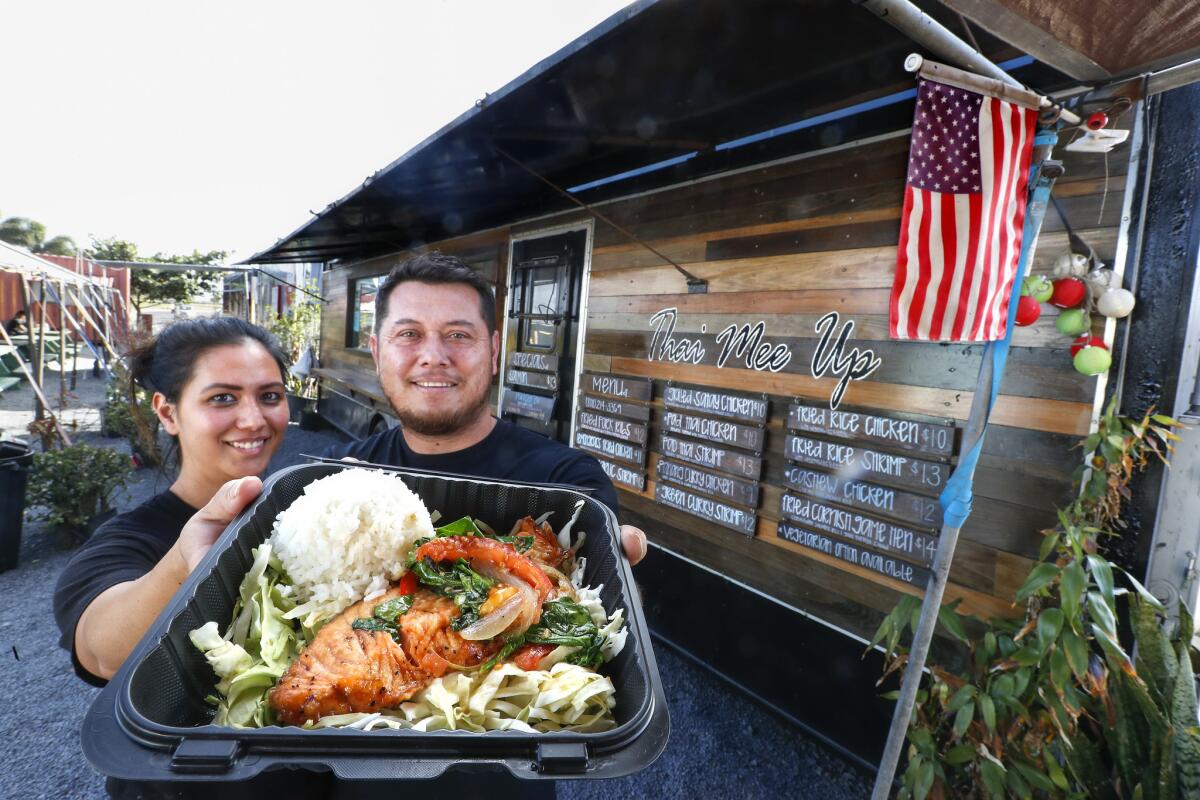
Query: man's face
435, 357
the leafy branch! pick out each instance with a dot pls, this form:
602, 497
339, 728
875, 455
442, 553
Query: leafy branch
1052, 704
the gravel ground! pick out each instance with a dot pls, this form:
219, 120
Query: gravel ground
723, 744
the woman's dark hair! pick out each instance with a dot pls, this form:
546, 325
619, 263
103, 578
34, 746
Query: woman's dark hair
166, 362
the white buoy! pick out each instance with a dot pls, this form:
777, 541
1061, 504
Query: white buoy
1115, 303
1100, 281
1070, 265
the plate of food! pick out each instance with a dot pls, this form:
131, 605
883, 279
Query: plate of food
383, 622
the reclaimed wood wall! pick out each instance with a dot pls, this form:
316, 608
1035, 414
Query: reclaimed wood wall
786, 244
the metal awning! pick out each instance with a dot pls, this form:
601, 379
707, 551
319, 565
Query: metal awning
660, 93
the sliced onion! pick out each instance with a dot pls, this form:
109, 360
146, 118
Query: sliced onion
496, 622
530, 606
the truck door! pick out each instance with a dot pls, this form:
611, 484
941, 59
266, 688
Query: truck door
543, 332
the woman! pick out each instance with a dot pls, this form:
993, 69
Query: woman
218, 389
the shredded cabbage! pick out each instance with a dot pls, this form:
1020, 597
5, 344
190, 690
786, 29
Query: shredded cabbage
257, 647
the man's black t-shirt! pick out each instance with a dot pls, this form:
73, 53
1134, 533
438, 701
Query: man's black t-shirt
123, 549
509, 452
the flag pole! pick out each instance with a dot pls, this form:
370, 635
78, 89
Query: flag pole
956, 498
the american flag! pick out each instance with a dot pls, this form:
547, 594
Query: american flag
964, 207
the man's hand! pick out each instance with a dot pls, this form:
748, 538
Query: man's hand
207, 524
633, 541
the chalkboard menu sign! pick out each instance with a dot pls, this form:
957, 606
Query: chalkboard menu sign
873, 465
713, 510
888, 537
927, 438
623, 476
611, 426
853, 554
617, 408
718, 404
523, 404
534, 380
921, 511
616, 386
540, 362
607, 447
726, 487
706, 455
714, 430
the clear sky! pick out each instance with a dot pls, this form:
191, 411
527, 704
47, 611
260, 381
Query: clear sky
219, 125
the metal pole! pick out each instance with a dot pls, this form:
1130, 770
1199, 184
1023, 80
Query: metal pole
26, 295
41, 361
935, 37
79, 329
990, 373
62, 287
62, 358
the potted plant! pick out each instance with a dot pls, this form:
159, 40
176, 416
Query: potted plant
298, 332
74, 486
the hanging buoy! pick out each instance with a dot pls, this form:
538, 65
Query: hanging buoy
1092, 360
1038, 287
1028, 311
1116, 303
1101, 280
1070, 265
1073, 322
1087, 340
1097, 121
1068, 292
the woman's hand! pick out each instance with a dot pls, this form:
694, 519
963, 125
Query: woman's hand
633, 541
209, 522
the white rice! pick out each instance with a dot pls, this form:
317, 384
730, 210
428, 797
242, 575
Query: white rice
347, 537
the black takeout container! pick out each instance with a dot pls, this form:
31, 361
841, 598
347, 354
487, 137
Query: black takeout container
151, 722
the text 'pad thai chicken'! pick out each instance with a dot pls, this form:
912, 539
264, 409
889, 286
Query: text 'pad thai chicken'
358, 612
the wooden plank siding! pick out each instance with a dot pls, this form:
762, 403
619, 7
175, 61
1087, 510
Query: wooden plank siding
786, 243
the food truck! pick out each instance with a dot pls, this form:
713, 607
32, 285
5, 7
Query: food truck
692, 215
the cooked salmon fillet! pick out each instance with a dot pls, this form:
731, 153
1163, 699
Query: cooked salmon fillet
345, 670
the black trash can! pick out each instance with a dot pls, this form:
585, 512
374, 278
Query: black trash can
15, 460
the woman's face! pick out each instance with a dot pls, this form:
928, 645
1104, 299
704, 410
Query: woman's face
231, 415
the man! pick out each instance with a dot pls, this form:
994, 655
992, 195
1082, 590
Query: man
436, 349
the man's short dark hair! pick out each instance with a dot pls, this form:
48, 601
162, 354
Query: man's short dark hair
435, 267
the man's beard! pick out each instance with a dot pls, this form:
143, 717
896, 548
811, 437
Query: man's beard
442, 422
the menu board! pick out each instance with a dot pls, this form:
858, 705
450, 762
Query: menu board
535, 406
712, 510
714, 430
612, 421
622, 388
607, 447
540, 362
725, 487
622, 475
614, 427
887, 537
617, 408
930, 439
919, 510
718, 404
873, 465
534, 380
853, 554
705, 455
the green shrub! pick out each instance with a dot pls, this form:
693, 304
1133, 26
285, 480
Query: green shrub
74, 484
